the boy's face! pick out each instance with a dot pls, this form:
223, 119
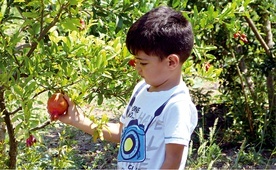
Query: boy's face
152, 69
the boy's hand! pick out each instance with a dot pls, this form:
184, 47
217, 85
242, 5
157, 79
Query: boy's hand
111, 132
72, 117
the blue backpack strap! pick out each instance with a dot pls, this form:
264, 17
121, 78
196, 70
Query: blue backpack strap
161, 108
134, 97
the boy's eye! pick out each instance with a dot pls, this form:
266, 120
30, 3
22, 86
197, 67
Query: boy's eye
142, 63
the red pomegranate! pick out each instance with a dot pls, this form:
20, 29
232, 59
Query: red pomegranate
56, 105
30, 141
132, 62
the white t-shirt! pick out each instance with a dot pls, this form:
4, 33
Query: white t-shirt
146, 131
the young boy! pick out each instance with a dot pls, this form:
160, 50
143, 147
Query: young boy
155, 129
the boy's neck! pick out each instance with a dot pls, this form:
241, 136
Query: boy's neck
167, 85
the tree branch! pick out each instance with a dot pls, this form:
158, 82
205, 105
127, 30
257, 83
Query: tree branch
20, 108
41, 126
45, 31
16, 110
258, 35
269, 36
247, 77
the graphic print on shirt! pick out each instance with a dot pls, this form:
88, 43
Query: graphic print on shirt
133, 140
133, 143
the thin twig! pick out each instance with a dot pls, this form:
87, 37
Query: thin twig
41, 126
15, 111
247, 108
20, 108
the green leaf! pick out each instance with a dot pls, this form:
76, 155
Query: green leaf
226, 11
70, 24
100, 58
105, 118
95, 135
210, 56
74, 2
197, 54
79, 65
17, 90
3, 9
30, 14
175, 3
100, 99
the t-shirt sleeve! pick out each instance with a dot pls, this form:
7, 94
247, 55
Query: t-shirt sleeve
180, 120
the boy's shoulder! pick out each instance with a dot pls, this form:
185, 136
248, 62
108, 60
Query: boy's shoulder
180, 88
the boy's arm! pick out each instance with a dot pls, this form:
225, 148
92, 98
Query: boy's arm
173, 156
111, 132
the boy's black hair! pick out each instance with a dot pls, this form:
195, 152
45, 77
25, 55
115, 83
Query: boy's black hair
161, 32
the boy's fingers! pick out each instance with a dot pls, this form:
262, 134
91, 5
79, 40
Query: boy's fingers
68, 99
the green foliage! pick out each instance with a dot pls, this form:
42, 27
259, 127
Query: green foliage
2, 155
248, 156
239, 61
99, 125
44, 49
106, 157
208, 152
57, 155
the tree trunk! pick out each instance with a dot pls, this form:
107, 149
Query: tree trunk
2, 134
270, 77
10, 129
2, 138
270, 81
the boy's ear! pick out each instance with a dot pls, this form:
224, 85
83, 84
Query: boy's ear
173, 61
